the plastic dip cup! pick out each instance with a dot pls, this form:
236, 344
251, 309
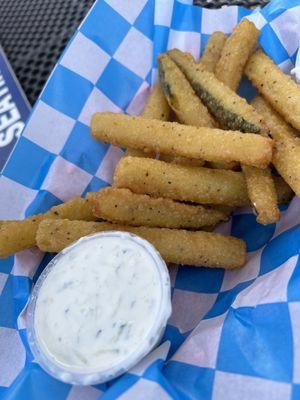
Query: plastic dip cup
98, 308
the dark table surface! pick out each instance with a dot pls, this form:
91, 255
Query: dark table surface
33, 34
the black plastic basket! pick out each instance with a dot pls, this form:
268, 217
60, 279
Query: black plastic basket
33, 34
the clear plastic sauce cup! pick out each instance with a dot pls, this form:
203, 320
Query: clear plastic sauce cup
98, 308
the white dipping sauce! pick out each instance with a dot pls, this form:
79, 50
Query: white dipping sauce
100, 302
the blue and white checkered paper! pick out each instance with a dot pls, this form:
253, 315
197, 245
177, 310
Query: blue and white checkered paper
232, 334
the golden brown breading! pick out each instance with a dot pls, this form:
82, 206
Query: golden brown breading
262, 194
125, 207
213, 50
180, 95
175, 139
176, 246
286, 156
156, 107
236, 52
231, 110
196, 184
19, 235
279, 89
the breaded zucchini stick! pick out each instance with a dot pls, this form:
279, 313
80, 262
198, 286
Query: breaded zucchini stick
157, 105
185, 103
213, 50
283, 191
181, 96
262, 194
157, 108
123, 206
279, 89
19, 235
175, 246
232, 111
196, 184
199, 185
286, 156
236, 52
229, 70
175, 139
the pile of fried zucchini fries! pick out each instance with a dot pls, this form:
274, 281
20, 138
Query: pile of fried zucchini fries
180, 178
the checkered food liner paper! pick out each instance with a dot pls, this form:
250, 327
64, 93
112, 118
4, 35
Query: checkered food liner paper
232, 334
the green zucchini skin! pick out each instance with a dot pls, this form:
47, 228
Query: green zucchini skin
181, 96
205, 83
227, 118
166, 87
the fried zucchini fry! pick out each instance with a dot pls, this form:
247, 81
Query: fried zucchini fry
175, 139
197, 184
236, 52
123, 206
157, 108
286, 157
232, 111
247, 118
175, 246
213, 50
19, 235
262, 194
76, 208
184, 102
278, 88
181, 96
